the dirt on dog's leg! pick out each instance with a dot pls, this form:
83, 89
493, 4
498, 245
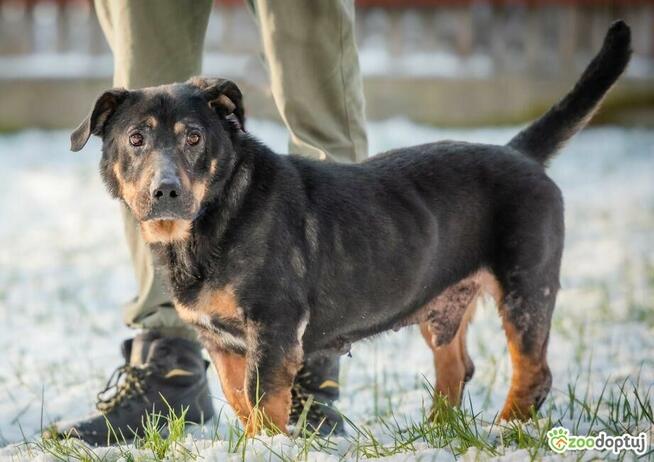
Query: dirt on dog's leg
452, 362
449, 365
446, 328
445, 333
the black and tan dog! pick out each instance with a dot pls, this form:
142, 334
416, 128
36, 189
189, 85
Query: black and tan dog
276, 257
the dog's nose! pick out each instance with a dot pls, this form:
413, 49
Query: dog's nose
167, 189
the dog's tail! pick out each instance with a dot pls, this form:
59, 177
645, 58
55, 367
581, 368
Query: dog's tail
543, 138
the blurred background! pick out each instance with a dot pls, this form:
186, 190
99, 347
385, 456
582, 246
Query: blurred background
438, 62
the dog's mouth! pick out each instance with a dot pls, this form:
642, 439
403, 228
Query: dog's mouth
169, 215
166, 230
181, 208
169, 221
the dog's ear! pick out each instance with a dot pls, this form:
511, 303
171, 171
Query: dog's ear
223, 95
104, 106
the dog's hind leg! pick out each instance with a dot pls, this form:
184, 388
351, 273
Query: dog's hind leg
530, 287
445, 332
452, 363
526, 318
527, 262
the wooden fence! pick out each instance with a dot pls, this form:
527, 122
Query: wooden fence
538, 35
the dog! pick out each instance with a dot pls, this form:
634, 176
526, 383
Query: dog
274, 257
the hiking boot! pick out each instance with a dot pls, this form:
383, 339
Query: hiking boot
160, 374
317, 379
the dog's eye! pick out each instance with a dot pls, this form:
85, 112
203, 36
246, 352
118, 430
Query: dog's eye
193, 138
136, 139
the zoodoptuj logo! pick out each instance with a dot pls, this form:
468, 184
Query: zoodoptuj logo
560, 440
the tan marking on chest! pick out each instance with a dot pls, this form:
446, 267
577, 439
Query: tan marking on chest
212, 302
191, 316
221, 302
212, 308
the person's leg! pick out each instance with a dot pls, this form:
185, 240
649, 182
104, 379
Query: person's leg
312, 58
153, 42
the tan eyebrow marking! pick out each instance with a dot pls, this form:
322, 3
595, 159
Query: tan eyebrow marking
179, 128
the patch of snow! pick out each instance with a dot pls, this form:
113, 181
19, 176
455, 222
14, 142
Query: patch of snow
64, 272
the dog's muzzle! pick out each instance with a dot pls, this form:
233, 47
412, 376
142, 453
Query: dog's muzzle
169, 200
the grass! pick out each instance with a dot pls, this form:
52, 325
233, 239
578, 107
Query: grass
615, 406
621, 408
583, 406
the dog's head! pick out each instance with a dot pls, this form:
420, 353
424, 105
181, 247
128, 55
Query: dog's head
163, 147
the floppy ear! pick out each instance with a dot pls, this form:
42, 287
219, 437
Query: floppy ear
223, 95
105, 105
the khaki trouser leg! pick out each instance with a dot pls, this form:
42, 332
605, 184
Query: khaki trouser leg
153, 42
315, 79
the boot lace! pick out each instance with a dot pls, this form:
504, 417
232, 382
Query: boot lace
125, 383
300, 397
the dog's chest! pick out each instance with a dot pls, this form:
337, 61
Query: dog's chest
214, 311
217, 316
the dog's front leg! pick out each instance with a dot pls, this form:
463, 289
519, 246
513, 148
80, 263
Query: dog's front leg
257, 385
231, 369
273, 360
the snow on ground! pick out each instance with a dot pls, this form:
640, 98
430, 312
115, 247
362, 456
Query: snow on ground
64, 272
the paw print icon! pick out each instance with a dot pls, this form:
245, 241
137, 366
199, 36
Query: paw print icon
558, 439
